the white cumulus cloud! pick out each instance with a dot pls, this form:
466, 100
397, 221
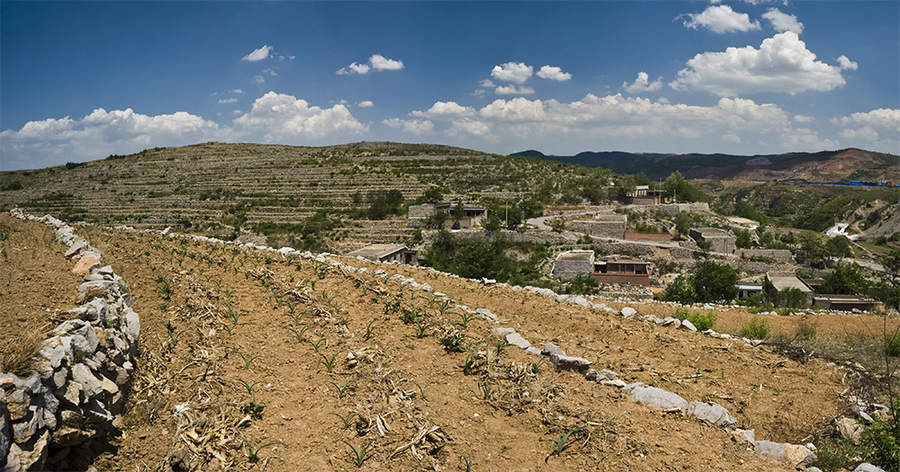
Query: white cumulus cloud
845, 63
444, 110
365, 104
258, 54
416, 127
720, 19
380, 62
781, 64
227, 100
642, 84
616, 121
553, 73
237, 91
354, 68
99, 134
282, 118
377, 62
782, 21
515, 72
513, 90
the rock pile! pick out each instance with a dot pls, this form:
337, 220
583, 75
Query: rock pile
83, 370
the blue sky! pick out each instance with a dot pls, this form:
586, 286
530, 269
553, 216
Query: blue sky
79, 81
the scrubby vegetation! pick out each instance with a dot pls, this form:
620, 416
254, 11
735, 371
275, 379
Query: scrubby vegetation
495, 257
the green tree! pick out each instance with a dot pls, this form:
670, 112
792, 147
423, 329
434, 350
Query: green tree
682, 223
846, 279
839, 246
714, 282
744, 240
811, 250
709, 281
492, 222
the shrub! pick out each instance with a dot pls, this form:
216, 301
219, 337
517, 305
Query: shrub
882, 440
892, 344
755, 329
744, 240
791, 298
699, 320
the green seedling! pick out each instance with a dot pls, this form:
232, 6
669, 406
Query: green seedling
370, 330
298, 333
342, 389
246, 359
562, 441
253, 451
358, 456
328, 362
316, 345
173, 337
536, 366
346, 420
464, 319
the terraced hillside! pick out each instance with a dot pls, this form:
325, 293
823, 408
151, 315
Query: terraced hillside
215, 186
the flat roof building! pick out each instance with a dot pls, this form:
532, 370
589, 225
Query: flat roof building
622, 271
397, 253
571, 264
719, 240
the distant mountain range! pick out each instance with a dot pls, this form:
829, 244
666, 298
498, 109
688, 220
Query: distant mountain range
842, 165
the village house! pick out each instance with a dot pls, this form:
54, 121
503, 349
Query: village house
784, 281
396, 253
471, 216
571, 264
719, 240
644, 195
613, 271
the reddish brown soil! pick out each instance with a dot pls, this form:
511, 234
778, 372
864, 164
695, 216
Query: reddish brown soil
36, 283
197, 364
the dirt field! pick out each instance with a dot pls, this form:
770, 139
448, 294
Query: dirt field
36, 284
219, 339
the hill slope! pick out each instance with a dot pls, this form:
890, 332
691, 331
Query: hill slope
840, 165
215, 186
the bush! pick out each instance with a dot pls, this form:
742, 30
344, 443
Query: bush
892, 344
755, 329
791, 298
744, 240
882, 440
584, 284
699, 320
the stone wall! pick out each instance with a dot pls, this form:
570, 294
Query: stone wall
611, 228
783, 256
83, 370
675, 208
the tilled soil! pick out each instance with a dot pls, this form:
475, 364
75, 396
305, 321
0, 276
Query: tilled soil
222, 374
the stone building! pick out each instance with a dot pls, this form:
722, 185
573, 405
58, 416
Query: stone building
396, 253
571, 264
719, 240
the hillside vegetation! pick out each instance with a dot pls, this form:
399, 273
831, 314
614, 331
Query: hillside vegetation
216, 188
